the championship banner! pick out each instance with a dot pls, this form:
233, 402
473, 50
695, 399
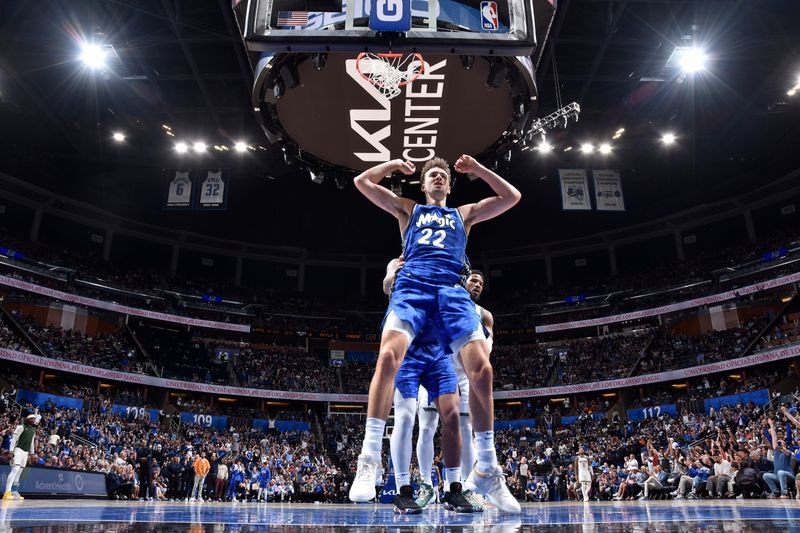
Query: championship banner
108, 306
671, 308
213, 195
574, 190
767, 356
608, 190
179, 191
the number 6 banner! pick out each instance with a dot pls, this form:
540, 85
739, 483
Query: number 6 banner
213, 194
179, 191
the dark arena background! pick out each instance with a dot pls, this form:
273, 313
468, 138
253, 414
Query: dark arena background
187, 269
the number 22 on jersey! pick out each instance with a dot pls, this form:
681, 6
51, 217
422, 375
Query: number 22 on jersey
438, 237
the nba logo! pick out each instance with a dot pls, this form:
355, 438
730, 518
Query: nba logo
489, 20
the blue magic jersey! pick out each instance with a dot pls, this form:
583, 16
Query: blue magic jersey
434, 245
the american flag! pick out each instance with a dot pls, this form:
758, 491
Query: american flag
292, 18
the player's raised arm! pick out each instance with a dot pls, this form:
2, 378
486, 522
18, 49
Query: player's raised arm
367, 184
506, 197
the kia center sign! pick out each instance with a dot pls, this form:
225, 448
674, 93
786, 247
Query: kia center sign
333, 116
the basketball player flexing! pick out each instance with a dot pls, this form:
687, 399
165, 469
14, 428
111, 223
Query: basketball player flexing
426, 367
429, 288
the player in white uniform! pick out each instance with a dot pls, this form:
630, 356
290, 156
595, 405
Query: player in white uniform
584, 469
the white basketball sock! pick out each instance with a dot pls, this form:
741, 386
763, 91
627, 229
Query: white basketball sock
467, 447
400, 443
373, 437
428, 420
487, 455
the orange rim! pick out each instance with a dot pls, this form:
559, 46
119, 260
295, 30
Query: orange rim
421, 71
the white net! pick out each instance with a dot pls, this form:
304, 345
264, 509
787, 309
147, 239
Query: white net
390, 72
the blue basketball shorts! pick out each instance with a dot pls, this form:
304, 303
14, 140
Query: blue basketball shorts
428, 365
417, 303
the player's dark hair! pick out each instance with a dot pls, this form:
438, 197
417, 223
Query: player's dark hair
437, 162
476, 272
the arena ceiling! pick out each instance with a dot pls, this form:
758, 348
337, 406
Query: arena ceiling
181, 63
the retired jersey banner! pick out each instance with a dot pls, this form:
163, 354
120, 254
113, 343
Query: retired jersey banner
213, 194
608, 190
574, 189
179, 190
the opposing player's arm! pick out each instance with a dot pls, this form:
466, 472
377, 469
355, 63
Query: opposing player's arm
488, 321
507, 196
367, 184
391, 271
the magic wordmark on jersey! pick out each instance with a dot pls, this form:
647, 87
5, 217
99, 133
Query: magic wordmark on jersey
427, 219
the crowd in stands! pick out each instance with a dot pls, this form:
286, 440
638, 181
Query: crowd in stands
664, 456
671, 349
107, 351
148, 460
285, 368
176, 353
741, 451
658, 284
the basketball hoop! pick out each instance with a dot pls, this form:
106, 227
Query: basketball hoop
389, 72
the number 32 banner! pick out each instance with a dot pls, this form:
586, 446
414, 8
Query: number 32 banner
213, 192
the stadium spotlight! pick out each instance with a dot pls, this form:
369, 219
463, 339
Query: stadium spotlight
544, 147
199, 147
587, 148
240, 147
668, 138
93, 56
693, 60
604, 148
181, 147
118, 136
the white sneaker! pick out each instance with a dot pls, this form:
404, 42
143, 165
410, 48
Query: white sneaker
492, 486
363, 489
192, 500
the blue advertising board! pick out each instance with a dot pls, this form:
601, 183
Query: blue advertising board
209, 421
40, 398
137, 413
49, 482
646, 413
